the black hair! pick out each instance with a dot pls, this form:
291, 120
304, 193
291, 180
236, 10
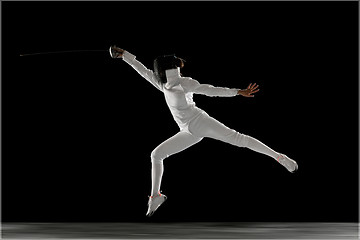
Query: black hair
163, 63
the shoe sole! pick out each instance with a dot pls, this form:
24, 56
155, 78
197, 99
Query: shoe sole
152, 212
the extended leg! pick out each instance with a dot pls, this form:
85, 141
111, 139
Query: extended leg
175, 144
206, 126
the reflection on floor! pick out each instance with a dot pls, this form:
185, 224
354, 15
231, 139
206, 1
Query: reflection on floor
188, 230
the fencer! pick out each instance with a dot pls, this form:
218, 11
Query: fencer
194, 123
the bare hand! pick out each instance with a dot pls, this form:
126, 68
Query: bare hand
251, 89
116, 52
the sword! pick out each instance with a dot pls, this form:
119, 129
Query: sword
57, 52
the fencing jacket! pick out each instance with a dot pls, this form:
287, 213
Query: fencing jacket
179, 91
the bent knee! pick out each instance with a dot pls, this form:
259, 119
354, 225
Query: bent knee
157, 156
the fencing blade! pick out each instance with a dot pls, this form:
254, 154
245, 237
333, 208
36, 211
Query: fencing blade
57, 52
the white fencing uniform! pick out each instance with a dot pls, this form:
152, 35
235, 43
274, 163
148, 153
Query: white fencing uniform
194, 123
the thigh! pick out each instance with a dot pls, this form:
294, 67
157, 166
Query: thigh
175, 144
207, 126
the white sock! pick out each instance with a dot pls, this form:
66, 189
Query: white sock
156, 176
259, 147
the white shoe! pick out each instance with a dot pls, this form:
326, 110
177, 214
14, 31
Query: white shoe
287, 162
154, 203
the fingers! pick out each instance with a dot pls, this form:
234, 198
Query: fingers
251, 89
119, 50
255, 91
252, 86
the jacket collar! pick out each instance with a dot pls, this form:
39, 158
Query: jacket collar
172, 76
173, 72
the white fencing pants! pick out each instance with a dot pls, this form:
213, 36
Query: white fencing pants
200, 127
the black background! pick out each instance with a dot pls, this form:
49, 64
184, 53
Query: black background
78, 128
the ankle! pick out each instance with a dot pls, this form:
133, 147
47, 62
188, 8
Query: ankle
155, 195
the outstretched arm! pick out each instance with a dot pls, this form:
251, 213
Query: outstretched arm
194, 86
138, 66
209, 90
